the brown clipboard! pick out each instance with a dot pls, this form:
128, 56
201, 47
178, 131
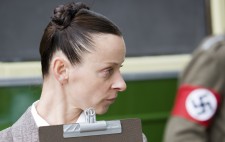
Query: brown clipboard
131, 132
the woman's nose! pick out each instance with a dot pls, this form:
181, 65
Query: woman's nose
119, 83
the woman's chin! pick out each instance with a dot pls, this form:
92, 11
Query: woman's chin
102, 110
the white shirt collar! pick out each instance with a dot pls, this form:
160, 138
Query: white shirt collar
41, 122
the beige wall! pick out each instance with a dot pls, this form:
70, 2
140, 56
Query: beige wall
218, 14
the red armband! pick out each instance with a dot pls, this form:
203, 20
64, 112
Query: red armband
195, 103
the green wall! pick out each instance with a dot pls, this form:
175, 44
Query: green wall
149, 100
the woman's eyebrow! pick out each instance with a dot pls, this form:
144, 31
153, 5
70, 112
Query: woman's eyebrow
115, 63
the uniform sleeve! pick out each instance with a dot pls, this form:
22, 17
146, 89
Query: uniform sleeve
181, 130
198, 95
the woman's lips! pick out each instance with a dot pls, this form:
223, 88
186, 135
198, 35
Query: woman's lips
111, 99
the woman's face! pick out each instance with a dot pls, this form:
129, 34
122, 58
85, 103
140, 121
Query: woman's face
96, 81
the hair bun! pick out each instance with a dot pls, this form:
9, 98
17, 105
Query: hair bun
63, 14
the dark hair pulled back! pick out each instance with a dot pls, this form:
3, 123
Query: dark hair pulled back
63, 14
71, 31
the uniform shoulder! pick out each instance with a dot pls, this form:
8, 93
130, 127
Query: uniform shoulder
212, 41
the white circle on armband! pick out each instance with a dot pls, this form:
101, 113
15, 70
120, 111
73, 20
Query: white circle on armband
201, 104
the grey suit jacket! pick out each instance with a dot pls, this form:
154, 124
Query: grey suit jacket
24, 130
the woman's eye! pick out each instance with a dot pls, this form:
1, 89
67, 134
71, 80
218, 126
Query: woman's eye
108, 72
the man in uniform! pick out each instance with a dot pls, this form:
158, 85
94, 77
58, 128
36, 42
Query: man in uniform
199, 110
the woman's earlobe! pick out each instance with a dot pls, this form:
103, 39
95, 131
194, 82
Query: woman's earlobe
66, 74
63, 78
60, 79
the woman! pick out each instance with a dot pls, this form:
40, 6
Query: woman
81, 55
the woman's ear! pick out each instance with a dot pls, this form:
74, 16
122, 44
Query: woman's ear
60, 69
